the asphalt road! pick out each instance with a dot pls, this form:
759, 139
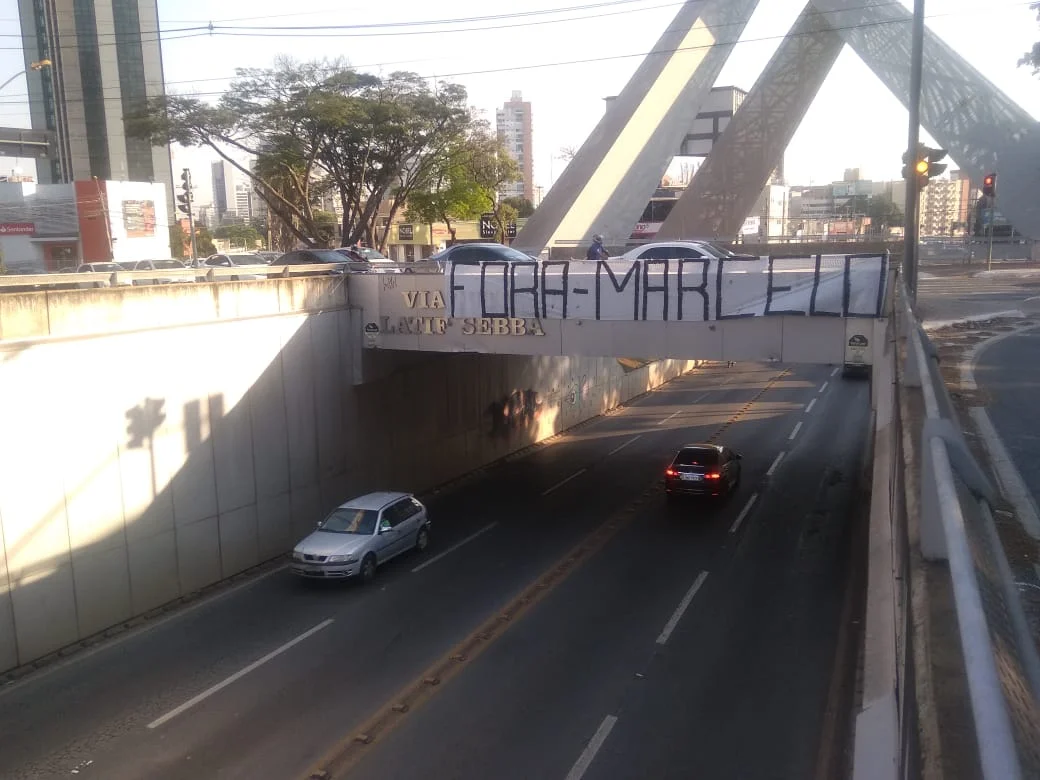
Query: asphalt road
955, 292
699, 640
1009, 374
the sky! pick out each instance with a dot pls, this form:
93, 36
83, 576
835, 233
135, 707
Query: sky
854, 123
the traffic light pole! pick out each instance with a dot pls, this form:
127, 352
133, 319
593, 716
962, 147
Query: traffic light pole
912, 186
191, 231
992, 216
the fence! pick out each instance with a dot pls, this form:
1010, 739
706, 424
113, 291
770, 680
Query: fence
956, 497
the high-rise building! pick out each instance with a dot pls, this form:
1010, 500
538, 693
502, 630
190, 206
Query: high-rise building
944, 206
224, 189
105, 63
515, 132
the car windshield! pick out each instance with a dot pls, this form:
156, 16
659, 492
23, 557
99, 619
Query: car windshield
697, 457
717, 252
347, 520
370, 254
168, 264
246, 259
105, 267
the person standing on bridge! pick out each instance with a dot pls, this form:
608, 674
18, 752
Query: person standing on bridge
597, 251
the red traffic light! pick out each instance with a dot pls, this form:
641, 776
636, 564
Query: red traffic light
989, 184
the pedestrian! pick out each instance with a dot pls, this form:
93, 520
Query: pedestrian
597, 251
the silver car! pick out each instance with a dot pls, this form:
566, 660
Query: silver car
361, 535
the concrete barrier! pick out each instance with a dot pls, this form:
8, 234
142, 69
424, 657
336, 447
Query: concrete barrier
159, 439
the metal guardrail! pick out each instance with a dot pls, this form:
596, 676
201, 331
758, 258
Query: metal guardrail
956, 521
30, 282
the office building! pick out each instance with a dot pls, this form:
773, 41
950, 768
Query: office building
105, 63
225, 193
514, 126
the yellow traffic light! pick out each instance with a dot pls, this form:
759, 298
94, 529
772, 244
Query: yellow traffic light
922, 167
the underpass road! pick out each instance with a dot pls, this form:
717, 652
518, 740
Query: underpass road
291, 668
683, 649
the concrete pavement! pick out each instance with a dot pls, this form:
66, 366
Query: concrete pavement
748, 657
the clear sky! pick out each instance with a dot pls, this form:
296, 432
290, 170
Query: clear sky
854, 122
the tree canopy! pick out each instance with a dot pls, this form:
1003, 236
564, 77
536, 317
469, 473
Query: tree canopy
322, 129
1032, 57
466, 180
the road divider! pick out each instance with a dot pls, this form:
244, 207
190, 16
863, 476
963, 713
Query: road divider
823, 387
743, 514
237, 675
669, 417
776, 464
453, 548
588, 755
618, 449
673, 621
809, 408
795, 432
559, 485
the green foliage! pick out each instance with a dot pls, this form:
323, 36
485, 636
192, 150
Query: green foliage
524, 207
238, 235
204, 242
1032, 57
178, 239
318, 128
466, 178
882, 210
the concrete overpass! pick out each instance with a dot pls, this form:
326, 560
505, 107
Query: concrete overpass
821, 309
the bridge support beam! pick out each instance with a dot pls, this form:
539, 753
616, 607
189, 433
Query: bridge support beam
607, 185
726, 187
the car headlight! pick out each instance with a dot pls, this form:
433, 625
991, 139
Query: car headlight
341, 559
297, 555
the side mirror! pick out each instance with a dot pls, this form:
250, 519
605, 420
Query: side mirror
385, 529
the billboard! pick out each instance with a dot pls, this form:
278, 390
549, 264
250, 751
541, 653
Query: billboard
139, 218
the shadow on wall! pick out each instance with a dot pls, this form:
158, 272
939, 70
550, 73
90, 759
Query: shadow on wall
217, 446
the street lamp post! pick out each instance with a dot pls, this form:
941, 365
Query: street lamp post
38, 65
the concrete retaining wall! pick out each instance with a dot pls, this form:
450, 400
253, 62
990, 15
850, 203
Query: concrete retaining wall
155, 440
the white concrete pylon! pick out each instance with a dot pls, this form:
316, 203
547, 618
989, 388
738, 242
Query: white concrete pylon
982, 128
726, 187
607, 185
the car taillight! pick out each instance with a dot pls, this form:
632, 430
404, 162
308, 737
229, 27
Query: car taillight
670, 472
713, 475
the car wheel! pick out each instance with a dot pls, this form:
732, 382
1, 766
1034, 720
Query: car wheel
422, 539
368, 569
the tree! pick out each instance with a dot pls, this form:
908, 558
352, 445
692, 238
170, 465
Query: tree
238, 235
524, 207
1032, 57
180, 245
204, 242
456, 190
882, 210
317, 128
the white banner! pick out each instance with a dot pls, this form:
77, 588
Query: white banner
669, 290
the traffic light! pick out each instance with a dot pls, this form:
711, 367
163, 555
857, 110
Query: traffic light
925, 165
989, 185
185, 198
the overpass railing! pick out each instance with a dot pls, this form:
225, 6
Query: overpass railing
956, 500
33, 282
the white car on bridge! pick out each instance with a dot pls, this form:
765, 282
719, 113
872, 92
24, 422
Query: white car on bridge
684, 250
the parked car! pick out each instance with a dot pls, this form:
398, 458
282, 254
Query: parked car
268, 257
314, 257
156, 267
102, 268
361, 535
365, 260
702, 470
480, 252
236, 260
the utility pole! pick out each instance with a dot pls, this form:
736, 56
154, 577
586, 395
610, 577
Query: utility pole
912, 185
992, 219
